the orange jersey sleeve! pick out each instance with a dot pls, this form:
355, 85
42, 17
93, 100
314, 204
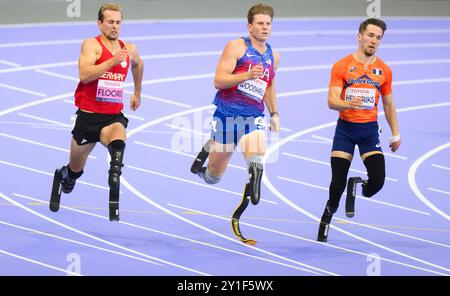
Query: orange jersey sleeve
386, 88
338, 73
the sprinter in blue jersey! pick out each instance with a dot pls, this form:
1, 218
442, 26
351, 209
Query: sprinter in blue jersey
245, 81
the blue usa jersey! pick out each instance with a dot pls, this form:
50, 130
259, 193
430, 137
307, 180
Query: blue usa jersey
246, 98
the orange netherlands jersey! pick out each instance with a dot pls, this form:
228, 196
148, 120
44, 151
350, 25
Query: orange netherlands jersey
349, 74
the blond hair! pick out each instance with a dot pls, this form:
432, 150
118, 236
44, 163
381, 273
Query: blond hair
108, 6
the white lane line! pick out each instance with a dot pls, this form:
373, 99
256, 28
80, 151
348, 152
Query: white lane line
422, 81
164, 149
322, 138
310, 141
173, 214
440, 167
38, 143
274, 190
438, 190
169, 235
77, 242
357, 196
58, 75
391, 155
173, 79
192, 182
32, 124
412, 179
35, 103
405, 82
151, 202
390, 63
49, 174
97, 238
286, 129
183, 153
328, 164
67, 77
9, 63
38, 262
172, 126
290, 33
203, 108
56, 128
128, 115
39, 66
357, 148
394, 233
307, 239
20, 89
308, 19
44, 119
158, 99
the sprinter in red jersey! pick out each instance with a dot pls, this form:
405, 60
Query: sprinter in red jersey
357, 82
103, 66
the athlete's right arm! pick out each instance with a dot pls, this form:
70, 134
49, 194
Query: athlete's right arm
335, 90
224, 77
90, 52
335, 102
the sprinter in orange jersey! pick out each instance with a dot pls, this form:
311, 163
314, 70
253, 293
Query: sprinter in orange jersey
357, 82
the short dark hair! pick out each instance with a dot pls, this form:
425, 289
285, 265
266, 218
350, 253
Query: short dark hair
108, 6
372, 21
260, 8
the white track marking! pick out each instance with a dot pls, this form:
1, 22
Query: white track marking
38, 143
412, 179
192, 182
357, 196
438, 190
20, 89
97, 238
49, 174
77, 242
440, 167
328, 164
307, 240
171, 235
38, 262
275, 191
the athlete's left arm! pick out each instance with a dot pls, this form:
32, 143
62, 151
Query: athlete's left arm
270, 99
137, 68
391, 117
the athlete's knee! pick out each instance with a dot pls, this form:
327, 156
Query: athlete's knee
209, 177
116, 150
376, 172
339, 171
255, 169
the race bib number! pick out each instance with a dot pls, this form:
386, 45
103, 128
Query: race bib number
255, 88
367, 95
109, 91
